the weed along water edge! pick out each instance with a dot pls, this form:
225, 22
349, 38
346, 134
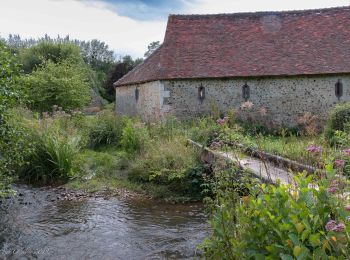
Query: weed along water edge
39, 223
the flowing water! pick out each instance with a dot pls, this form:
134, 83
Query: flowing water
36, 224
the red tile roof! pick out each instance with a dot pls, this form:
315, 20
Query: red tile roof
289, 43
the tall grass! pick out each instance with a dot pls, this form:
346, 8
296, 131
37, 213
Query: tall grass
52, 159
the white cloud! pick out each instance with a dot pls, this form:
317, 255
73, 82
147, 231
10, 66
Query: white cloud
126, 36
82, 21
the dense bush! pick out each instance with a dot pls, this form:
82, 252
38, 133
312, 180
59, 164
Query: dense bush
307, 221
134, 137
338, 118
37, 55
12, 136
52, 158
106, 129
170, 163
63, 84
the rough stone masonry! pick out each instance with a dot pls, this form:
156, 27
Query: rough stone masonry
282, 64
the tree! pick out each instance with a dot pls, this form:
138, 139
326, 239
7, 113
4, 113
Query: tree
97, 55
121, 68
9, 71
33, 57
10, 138
151, 48
64, 84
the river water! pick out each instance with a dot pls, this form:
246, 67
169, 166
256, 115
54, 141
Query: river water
36, 224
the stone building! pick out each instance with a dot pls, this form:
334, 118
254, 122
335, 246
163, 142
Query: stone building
285, 63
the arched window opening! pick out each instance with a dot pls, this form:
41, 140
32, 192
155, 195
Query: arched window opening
246, 92
201, 93
338, 89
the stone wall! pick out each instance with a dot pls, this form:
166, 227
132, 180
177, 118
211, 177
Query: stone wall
276, 101
148, 103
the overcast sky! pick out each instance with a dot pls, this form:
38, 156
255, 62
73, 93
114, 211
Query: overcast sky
127, 26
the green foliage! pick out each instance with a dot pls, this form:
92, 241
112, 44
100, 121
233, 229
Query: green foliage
170, 163
281, 222
152, 47
37, 55
106, 129
134, 137
9, 71
52, 158
337, 120
204, 130
63, 84
12, 137
118, 70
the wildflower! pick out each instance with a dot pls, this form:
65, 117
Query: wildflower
330, 225
332, 189
347, 207
333, 226
221, 121
314, 149
247, 104
263, 111
347, 151
340, 227
339, 163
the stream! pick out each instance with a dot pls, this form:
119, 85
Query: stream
38, 224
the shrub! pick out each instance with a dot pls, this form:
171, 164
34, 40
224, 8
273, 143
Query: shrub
170, 163
337, 120
52, 159
35, 56
204, 130
106, 129
64, 84
134, 137
307, 221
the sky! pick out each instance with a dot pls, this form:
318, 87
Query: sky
127, 26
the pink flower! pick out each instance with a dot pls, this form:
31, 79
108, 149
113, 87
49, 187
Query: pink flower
340, 227
347, 151
333, 226
330, 225
347, 207
314, 149
339, 163
247, 104
221, 121
332, 189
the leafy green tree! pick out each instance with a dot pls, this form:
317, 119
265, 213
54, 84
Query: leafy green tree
121, 68
64, 84
10, 147
151, 48
33, 57
9, 71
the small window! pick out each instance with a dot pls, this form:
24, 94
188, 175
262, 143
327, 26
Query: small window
137, 93
201, 93
246, 92
338, 89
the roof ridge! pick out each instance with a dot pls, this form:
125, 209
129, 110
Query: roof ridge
258, 13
